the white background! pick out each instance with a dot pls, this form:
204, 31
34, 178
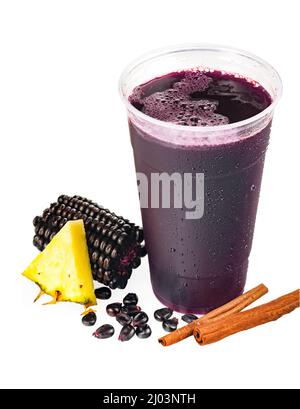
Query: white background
63, 130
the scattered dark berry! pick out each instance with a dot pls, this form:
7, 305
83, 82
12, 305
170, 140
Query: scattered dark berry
130, 299
131, 309
124, 319
105, 331
127, 332
170, 324
89, 319
143, 332
103, 293
140, 319
163, 314
113, 309
189, 318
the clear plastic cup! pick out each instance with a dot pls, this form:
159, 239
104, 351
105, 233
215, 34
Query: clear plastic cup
199, 264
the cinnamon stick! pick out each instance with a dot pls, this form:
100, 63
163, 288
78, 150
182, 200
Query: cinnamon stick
226, 310
209, 331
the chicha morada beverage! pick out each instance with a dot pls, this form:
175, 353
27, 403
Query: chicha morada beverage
198, 265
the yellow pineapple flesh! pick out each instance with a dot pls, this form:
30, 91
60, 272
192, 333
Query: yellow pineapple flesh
63, 270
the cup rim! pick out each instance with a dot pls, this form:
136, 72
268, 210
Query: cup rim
197, 47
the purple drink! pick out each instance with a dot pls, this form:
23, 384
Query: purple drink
198, 265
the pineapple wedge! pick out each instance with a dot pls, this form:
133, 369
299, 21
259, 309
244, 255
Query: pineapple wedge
63, 269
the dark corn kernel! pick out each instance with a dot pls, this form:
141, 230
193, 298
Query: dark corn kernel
107, 275
103, 242
126, 228
131, 309
189, 318
143, 332
56, 221
170, 325
105, 331
163, 314
89, 319
47, 233
124, 319
142, 252
140, 319
113, 309
136, 262
103, 293
100, 260
114, 283
139, 235
106, 263
127, 332
99, 275
122, 283
37, 220
122, 238
108, 249
41, 231
96, 243
95, 256
130, 299
114, 253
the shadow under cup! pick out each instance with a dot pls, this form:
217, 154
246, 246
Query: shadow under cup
197, 265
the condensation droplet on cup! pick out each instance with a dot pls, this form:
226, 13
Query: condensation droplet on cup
253, 187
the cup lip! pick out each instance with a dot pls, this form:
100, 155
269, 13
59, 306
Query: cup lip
173, 49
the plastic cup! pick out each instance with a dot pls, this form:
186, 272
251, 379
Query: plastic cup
199, 264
